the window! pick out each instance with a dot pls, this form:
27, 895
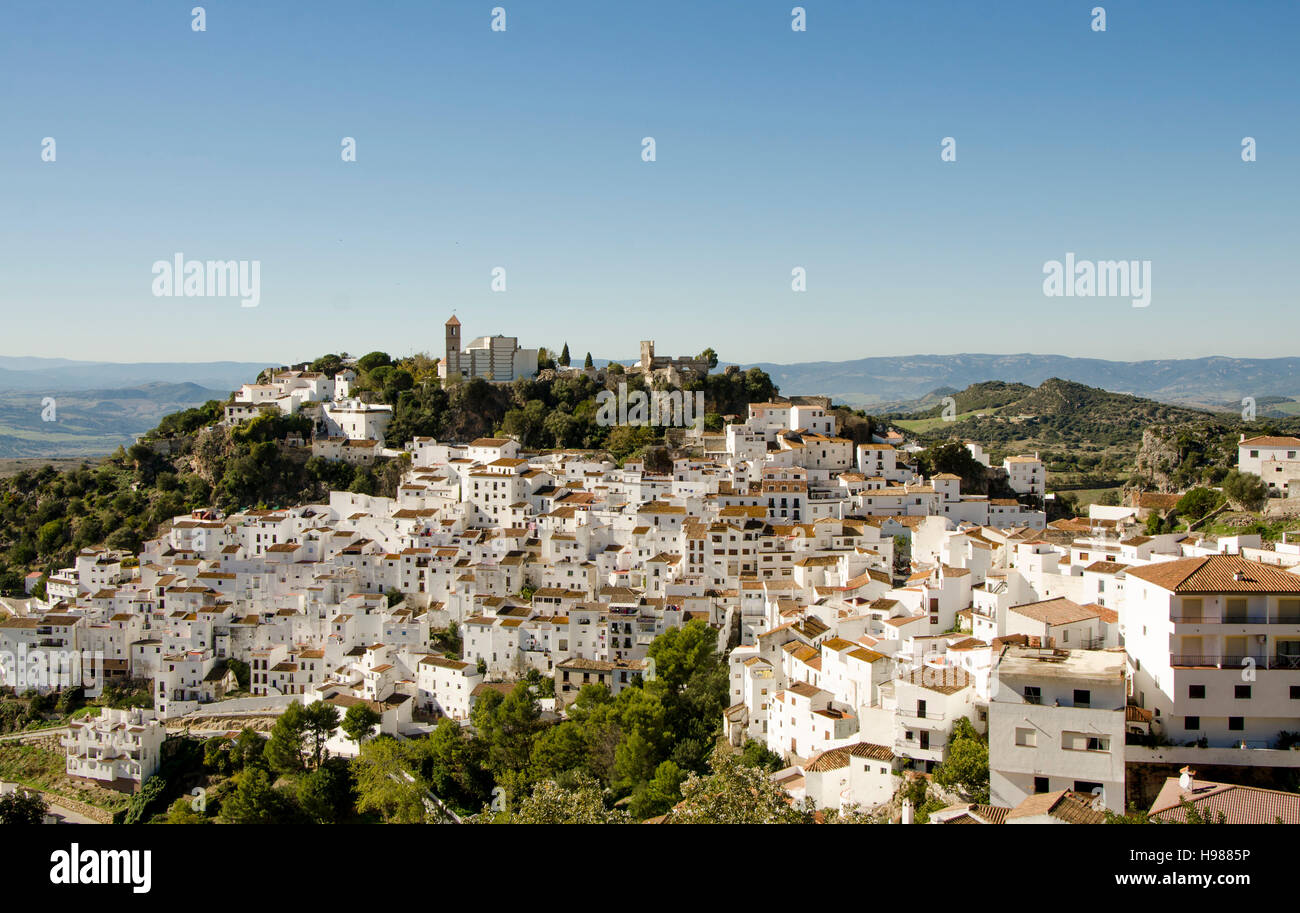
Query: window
1241, 692
1026, 738
1082, 697
1033, 694
1191, 722
1196, 692
1236, 723
1041, 784
1083, 741
1295, 692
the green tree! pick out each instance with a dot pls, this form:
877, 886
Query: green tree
508, 724
953, 457
551, 803
967, 766
452, 766
360, 722
52, 536
148, 801
564, 356
327, 795
1245, 489
372, 360
23, 806
661, 793
247, 748
691, 682
561, 749
216, 756
385, 785
733, 794
284, 749
1197, 502
756, 754
588, 363
320, 719
255, 800
182, 812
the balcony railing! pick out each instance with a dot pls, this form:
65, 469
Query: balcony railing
920, 715
1224, 620
903, 746
1219, 662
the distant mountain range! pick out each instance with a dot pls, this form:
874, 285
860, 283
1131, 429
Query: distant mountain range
55, 375
104, 404
895, 382
99, 406
67, 423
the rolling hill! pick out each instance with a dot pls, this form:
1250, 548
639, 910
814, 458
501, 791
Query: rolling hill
894, 383
1084, 434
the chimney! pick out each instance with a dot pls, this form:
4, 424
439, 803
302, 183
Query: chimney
907, 811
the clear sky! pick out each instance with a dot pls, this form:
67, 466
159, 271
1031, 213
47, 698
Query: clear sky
775, 149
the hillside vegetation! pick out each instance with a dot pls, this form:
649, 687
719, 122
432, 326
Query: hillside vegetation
1088, 437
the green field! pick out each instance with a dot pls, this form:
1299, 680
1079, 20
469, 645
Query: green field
1088, 496
923, 425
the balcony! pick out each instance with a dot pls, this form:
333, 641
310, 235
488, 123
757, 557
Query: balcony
1223, 620
1218, 662
913, 747
927, 715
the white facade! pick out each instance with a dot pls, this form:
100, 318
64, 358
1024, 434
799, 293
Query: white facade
1276, 460
1056, 721
116, 746
1215, 644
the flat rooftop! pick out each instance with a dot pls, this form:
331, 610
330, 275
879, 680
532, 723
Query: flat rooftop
1034, 662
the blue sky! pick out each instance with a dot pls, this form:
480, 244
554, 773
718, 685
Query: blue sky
775, 149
